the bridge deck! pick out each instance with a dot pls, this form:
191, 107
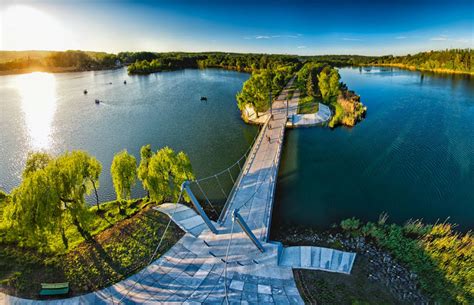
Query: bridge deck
254, 191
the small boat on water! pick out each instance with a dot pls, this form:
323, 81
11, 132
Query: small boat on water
203, 98
85, 91
97, 101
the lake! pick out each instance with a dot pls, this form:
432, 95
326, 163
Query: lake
412, 157
42, 111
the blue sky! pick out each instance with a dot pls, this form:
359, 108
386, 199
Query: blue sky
293, 27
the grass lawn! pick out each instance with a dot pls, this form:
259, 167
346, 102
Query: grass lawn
308, 104
123, 244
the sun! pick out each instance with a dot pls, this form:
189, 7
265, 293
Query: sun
27, 28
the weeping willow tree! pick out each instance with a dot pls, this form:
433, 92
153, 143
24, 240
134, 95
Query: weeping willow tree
166, 172
145, 155
124, 175
52, 196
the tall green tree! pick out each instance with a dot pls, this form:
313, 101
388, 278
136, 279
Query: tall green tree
334, 84
145, 155
323, 83
73, 175
166, 172
124, 174
34, 211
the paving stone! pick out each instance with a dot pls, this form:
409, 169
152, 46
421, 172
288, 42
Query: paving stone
264, 289
281, 299
265, 298
237, 285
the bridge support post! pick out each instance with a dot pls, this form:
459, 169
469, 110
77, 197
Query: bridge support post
237, 217
197, 206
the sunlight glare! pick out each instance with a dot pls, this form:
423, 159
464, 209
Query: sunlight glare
26, 28
38, 102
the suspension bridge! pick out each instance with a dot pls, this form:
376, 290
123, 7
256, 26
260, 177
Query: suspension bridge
229, 259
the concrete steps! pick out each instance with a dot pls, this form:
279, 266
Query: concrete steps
317, 258
185, 217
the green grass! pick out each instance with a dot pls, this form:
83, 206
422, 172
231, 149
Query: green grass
308, 104
122, 245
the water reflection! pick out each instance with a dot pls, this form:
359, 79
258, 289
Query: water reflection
38, 103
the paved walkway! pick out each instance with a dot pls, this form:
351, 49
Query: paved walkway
311, 119
209, 268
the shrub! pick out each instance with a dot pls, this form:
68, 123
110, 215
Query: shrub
350, 224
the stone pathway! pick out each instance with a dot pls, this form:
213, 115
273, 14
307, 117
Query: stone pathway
186, 218
203, 267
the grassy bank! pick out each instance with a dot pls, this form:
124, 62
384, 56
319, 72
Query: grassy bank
308, 104
122, 244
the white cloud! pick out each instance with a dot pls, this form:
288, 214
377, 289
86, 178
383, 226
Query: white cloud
401, 37
301, 47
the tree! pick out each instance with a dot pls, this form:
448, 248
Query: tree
310, 85
323, 83
166, 172
51, 197
334, 84
73, 175
124, 174
34, 210
36, 161
145, 155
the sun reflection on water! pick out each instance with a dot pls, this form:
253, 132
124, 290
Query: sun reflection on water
38, 103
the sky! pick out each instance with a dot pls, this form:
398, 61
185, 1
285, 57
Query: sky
285, 27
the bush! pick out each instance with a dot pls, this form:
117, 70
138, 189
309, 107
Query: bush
350, 224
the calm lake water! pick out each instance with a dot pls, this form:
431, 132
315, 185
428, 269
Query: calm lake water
412, 157
42, 111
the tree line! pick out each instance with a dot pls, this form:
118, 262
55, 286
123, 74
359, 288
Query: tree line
52, 194
449, 60
145, 62
454, 60
77, 60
